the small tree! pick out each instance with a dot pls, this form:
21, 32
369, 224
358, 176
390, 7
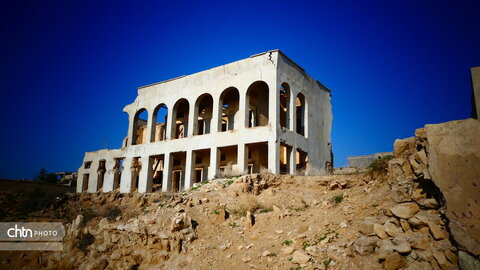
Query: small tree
45, 177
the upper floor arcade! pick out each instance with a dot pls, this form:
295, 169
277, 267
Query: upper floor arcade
264, 90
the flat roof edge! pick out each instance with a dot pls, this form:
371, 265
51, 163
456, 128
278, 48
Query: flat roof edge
176, 78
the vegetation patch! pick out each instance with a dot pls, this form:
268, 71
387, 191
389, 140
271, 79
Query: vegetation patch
380, 165
337, 198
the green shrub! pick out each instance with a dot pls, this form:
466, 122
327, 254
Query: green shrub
379, 165
337, 198
287, 242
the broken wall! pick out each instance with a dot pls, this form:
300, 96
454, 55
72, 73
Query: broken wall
448, 154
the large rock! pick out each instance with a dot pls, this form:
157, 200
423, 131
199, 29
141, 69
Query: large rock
467, 262
401, 145
454, 159
380, 231
405, 210
300, 257
180, 221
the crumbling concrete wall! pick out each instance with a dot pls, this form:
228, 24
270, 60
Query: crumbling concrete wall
446, 158
363, 162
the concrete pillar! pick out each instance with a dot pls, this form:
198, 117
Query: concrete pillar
126, 177
242, 158
305, 119
170, 125
274, 104
131, 123
241, 122
274, 157
189, 168
292, 159
150, 126
244, 109
293, 111
109, 175
145, 180
214, 157
192, 121
80, 174
93, 177
167, 172
216, 110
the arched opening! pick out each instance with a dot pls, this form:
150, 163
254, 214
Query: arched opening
140, 127
159, 130
229, 100
180, 119
257, 100
203, 114
284, 105
301, 114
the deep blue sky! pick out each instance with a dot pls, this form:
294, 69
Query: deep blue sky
68, 68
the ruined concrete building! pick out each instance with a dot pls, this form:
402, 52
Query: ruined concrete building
260, 114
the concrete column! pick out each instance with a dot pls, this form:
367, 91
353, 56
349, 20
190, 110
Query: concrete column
292, 159
167, 172
150, 126
169, 127
145, 180
109, 175
241, 122
216, 110
242, 158
245, 107
274, 104
93, 177
274, 157
126, 177
192, 121
214, 157
293, 111
189, 168
131, 121
80, 174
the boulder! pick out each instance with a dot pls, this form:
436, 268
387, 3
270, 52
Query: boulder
300, 257
429, 203
380, 231
366, 245
405, 210
393, 261
437, 232
467, 262
391, 229
180, 221
249, 220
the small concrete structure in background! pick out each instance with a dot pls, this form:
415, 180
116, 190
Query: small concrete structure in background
260, 114
475, 71
362, 162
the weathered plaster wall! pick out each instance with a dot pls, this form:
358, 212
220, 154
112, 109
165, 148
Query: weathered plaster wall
272, 68
319, 113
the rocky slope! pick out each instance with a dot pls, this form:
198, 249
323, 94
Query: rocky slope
357, 221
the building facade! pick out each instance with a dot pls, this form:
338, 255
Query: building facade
260, 114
